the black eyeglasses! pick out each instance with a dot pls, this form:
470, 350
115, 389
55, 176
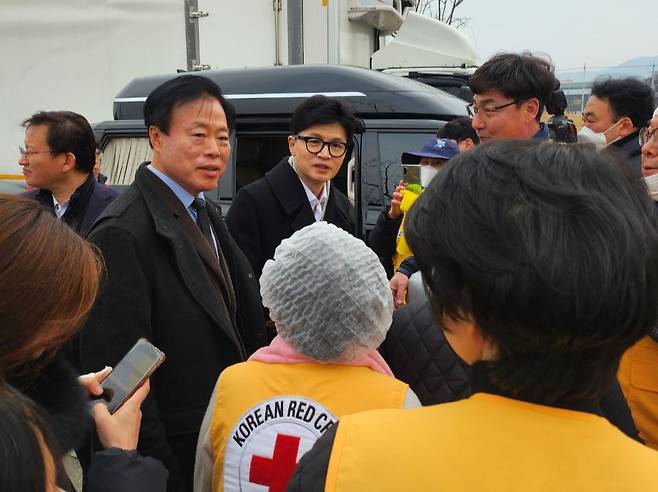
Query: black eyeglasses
647, 135
315, 145
488, 112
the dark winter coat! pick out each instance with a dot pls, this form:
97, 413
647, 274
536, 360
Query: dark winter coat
418, 354
116, 470
269, 210
164, 283
85, 205
630, 146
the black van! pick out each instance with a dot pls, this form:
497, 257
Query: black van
398, 114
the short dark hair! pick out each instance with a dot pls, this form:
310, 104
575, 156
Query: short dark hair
319, 110
67, 132
519, 76
459, 129
180, 90
552, 251
629, 96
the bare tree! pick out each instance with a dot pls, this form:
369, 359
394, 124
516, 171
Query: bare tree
443, 10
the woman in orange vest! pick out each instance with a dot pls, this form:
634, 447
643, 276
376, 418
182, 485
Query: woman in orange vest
541, 263
328, 296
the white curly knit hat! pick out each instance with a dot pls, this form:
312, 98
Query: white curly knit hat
327, 293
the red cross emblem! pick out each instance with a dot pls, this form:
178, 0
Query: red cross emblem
275, 472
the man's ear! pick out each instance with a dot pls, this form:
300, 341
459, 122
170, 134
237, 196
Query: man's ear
69, 162
626, 127
466, 144
291, 144
155, 137
531, 108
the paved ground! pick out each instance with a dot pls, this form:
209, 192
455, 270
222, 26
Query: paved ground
73, 470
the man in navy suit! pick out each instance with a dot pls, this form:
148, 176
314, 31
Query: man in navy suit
57, 160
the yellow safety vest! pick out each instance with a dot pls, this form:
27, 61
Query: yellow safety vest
402, 250
266, 416
638, 377
487, 443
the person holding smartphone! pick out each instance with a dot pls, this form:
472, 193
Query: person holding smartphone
33, 332
387, 238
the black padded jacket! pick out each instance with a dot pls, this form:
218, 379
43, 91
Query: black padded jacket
419, 355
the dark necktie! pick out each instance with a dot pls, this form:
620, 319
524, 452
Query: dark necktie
203, 220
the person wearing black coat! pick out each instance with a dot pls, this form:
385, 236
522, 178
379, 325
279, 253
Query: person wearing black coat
418, 354
162, 285
174, 274
298, 190
269, 210
85, 205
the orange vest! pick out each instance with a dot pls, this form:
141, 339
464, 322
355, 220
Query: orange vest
487, 443
638, 377
266, 416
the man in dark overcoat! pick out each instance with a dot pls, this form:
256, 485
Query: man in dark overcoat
174, 274
297, 191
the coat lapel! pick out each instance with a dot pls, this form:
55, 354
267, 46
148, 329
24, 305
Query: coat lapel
195, 258
289, 192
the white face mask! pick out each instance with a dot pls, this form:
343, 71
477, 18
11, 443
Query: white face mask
652, 184
427, 173
587, 135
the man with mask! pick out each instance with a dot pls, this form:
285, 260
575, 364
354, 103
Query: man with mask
614, 114
387, 237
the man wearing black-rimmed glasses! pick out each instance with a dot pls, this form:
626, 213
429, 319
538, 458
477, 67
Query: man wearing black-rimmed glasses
298, 190
510, 94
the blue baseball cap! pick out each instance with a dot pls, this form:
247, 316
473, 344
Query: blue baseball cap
434, 148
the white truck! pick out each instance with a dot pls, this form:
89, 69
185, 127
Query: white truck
77, 55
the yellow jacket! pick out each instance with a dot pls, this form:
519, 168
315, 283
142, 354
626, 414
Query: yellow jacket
487, 443
638, 377
402, 251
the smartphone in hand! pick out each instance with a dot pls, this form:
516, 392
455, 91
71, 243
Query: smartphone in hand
130, 373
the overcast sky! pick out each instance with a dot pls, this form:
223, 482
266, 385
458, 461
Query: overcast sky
597, 32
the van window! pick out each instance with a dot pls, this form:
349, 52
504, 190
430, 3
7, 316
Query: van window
256, 154
121, 158
391, 147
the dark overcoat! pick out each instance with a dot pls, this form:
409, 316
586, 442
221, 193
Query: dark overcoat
87, 208
164, 283
271, 209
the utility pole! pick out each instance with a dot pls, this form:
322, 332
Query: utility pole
582, 93
295, 32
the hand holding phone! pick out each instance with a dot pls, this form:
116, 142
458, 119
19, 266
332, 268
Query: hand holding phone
411, 173
130, 373
121, 429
